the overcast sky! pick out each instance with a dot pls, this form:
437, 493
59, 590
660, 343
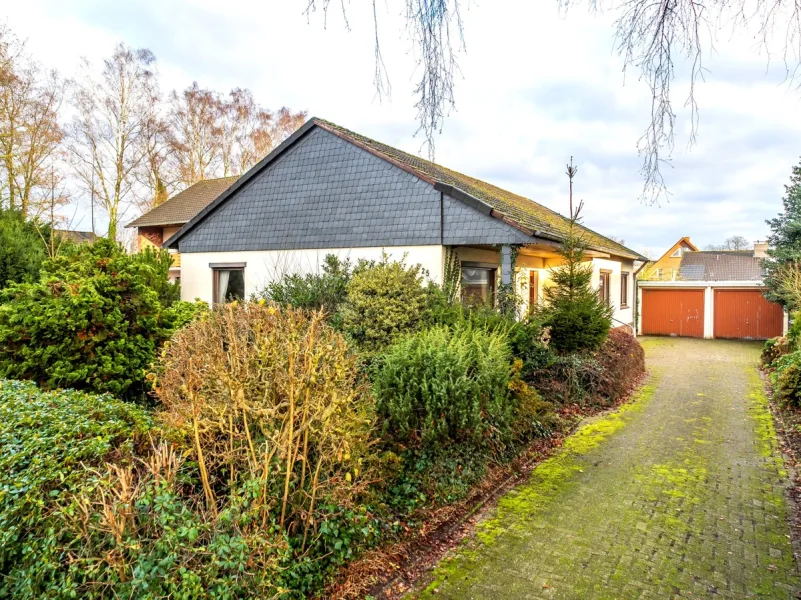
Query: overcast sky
536, 87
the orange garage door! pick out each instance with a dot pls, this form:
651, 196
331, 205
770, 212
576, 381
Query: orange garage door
673, 312
745, 314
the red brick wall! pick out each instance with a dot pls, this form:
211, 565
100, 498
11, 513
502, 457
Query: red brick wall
150, 236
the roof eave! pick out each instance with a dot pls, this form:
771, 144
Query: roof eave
159, 224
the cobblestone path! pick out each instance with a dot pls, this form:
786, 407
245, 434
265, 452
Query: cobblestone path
680, 494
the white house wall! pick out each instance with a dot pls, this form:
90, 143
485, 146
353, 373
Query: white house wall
621, 315
264, 266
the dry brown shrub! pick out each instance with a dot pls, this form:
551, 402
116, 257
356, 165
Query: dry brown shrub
268, 393
622, 360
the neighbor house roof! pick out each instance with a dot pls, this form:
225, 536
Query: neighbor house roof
79, 237
727, 265
186, 204
527, 215
682, 243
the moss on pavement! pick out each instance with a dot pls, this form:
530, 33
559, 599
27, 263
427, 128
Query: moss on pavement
681, 493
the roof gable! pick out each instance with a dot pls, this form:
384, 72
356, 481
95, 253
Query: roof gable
531, 218
681, 243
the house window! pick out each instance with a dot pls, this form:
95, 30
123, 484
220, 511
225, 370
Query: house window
228, 283
659, 273
533, 289
624, 290
677, 253
604, 287
478, 284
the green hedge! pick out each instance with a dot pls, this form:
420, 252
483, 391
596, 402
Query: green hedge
787, 379
51, 442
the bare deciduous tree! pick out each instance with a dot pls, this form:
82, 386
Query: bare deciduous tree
258, 130
735, 242
106, 135
284, 123
653, 37
214, 136
30, 135
55, 196
158, 173
195, 120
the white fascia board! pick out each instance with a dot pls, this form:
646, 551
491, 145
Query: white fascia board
700, 284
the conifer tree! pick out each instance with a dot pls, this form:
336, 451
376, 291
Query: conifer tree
785, 242
579, 319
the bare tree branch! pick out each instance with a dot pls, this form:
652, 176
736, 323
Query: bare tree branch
654, 38
433, 26
107, 133
30, 135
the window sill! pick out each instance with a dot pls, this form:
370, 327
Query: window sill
623, 306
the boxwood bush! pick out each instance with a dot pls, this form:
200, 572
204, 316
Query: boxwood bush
384, 302
444, 385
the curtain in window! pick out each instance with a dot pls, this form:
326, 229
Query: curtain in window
222, 286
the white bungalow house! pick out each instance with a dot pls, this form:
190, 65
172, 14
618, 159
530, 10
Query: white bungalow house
329, 190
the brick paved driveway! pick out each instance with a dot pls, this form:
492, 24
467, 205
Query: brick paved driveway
680, 494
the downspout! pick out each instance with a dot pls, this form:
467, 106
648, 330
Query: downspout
637, 299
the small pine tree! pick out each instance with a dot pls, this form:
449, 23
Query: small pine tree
578, 318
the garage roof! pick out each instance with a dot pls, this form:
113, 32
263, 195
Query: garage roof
727, 265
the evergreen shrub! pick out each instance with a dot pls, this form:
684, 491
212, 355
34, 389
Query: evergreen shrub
384, 301
94, 321
443, 385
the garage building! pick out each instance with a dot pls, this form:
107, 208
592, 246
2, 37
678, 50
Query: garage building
717, 294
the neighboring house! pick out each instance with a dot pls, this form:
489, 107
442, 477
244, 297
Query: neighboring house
329, 190
77, 237
159, 224
717, 294
667, 267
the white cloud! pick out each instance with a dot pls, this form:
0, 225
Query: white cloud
538, 87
